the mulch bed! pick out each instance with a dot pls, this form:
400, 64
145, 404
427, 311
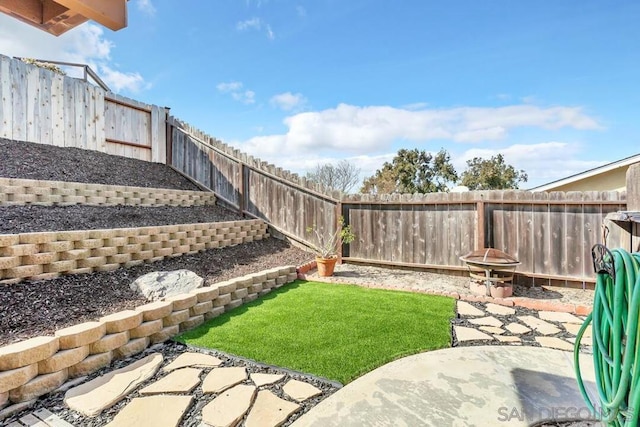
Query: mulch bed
39, 308
30, 218
28, 160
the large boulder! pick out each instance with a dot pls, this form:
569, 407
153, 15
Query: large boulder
159, 284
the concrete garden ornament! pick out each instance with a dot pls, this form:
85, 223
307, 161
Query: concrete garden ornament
326, 245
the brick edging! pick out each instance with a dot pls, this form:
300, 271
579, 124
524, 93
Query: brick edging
40, 365
16, 192
540, 305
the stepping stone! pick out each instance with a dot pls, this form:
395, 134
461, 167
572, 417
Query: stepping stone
263, 379
269, 410
510, 339
227, 409
554, 316
196, 360
500, 310
94, 396
492, 330
221, 379
573, 329
157, 411
487, 321
516, 328
466, 309
552, 342
539, 325
300, 391
470, 334
179, 381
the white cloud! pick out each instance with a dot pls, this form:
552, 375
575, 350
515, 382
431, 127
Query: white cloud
237, 92
288, 101
360, 130
117, 80
85, 44
146, 7
249, 24
229, 87
256, 24
270, 33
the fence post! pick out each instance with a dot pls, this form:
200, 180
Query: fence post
338, 215
241, 190
169, 130
480, 241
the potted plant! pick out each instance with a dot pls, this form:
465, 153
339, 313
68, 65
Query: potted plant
326, 246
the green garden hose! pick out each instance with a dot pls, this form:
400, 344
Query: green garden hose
615, 339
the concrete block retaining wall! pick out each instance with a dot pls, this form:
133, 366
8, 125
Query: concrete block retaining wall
45, 255
37, 366
48, 193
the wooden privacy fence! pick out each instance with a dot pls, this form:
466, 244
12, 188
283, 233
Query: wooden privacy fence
250, 186
38, 105
550, 233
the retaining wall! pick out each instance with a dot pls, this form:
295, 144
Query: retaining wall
47, 193
45, 255
40, 365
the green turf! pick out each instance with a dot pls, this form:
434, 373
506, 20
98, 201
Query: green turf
334, 331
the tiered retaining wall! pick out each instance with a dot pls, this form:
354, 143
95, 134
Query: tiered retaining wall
47, 193
45, 255
37, 366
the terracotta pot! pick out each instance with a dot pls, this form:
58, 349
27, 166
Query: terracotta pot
326, 266
502, 290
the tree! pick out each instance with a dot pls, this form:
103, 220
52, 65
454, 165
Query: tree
342, 176
492, 174
412, 171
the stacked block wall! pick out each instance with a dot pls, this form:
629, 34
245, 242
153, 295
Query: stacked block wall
48, 193
37, 366
45, 255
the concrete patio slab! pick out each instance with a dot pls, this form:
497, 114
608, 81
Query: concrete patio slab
499, 386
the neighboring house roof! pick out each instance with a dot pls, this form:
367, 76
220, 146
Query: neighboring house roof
626, 162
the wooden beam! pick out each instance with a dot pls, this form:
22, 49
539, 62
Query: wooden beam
29, 11
53, 12
110, 13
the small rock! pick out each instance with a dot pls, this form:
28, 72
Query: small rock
157, 411
487, 321
270, 410
179, 381
300, 391
228, 408
466, 309
470, 334
160, 284
220, 379
263, 379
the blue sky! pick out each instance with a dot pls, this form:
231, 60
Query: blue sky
553, 85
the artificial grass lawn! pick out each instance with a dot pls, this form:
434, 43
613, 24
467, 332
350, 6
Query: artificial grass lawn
337, 332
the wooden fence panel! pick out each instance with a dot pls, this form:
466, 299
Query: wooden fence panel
38, 105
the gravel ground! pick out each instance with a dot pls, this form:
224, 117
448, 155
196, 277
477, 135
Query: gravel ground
28, 160
39, 308
193, 418
29, 218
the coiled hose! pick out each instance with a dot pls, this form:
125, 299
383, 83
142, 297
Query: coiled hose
615, 340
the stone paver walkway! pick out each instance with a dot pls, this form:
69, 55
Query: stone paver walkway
487, 323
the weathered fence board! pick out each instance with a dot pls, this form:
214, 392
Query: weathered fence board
38, 105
